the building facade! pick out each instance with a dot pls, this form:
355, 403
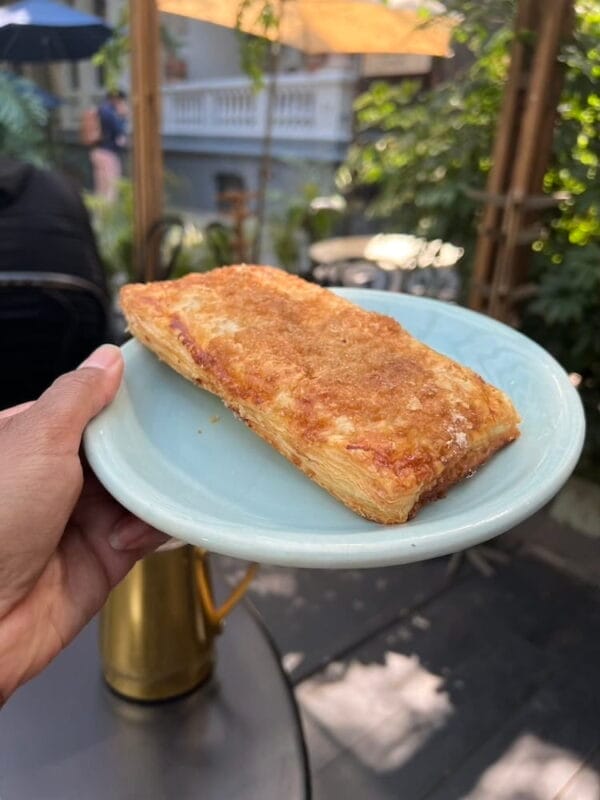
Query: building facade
214, 122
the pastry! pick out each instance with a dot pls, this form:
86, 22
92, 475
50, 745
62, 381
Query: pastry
378, 419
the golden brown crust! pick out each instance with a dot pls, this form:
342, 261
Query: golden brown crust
378, 419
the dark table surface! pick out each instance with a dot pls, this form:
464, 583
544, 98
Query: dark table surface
65, 736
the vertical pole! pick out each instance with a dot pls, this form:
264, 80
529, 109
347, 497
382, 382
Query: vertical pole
147, 155
530, 161
266, 160
502, 157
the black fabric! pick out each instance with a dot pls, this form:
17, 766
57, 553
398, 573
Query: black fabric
44, 227
42, 335
13, 178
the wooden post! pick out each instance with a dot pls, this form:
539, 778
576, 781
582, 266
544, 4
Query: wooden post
521, 153
502, 157
147, 154
530, 161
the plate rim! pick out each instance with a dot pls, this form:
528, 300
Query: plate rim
232, 539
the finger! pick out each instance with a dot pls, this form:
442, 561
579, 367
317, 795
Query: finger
63, 411
149, 542
99, 512
132, 533
10, 412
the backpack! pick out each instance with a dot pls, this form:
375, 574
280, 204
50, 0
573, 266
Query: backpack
90, 131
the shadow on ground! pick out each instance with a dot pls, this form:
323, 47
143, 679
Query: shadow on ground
413, 686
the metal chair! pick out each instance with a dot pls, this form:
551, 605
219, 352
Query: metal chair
49, 322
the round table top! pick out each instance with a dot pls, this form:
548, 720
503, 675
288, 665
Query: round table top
390, 251
66, 736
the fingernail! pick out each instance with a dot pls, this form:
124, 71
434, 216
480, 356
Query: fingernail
104, 357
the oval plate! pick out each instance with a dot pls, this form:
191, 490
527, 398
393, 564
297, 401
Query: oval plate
175, 456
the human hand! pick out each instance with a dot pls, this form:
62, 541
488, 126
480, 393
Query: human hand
64, 541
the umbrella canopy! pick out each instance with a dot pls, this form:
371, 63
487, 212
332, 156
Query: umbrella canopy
42, 30
333, 26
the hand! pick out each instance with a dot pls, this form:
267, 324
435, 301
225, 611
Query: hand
64, 542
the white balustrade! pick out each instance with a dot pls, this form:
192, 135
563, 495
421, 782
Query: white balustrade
308, 106
314, 106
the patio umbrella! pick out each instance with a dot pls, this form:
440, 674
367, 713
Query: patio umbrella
333, 26
325, 26
42, 30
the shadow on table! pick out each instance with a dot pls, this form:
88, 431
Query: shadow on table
417, 688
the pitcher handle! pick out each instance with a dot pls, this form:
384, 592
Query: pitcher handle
215, 616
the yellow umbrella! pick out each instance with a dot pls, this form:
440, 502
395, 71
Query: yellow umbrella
332, 26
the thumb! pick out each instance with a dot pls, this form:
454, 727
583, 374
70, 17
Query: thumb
62, 412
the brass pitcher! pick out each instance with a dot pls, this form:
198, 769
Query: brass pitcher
158, 626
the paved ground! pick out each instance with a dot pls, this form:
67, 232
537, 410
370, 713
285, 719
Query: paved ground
414, 686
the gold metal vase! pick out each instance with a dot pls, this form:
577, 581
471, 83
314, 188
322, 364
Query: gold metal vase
158, 626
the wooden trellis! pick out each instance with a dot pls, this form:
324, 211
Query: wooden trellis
512, 199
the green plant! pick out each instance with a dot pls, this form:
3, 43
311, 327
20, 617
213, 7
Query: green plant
23, 119
306, 219
113, 226
419, 152
198, 250
255, 51
565, 315
112, 56
201, 250
565, 318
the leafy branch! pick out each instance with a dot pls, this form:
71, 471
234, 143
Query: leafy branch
418, 152
255, 50
22, 119
111, 58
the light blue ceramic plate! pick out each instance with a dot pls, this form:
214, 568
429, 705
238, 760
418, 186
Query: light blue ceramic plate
176, 457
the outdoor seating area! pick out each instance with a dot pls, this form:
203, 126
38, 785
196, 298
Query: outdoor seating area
300, 400
392, 262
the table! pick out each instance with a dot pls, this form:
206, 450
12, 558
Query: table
66, 736
394, 262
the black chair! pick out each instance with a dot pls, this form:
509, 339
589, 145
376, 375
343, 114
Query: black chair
49, 322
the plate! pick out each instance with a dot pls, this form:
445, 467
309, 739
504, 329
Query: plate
175, 456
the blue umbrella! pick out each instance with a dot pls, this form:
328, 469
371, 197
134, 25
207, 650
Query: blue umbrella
42, 30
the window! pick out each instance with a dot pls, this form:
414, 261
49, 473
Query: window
227, 182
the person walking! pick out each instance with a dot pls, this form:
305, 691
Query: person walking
106, 154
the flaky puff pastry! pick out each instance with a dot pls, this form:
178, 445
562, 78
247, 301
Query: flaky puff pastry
381, 421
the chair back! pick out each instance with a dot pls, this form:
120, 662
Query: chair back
49, 322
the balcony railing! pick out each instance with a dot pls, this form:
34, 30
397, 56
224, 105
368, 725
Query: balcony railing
308, 106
